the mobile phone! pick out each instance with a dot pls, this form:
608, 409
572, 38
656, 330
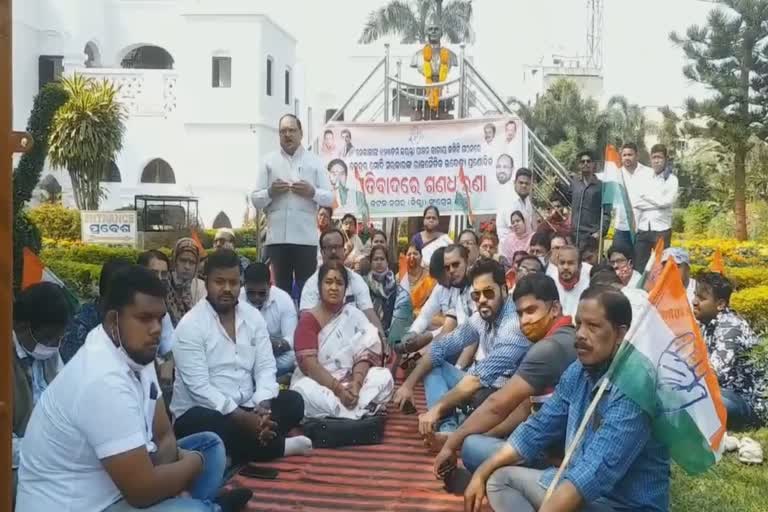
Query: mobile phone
259, 472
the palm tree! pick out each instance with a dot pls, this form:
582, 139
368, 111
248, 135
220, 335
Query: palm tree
410, 20
86, 135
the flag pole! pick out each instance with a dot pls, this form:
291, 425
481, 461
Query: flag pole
601, 239
593, 406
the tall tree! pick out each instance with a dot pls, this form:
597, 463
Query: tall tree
728, 56
410, 20
86, 135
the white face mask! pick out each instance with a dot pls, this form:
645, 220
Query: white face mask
41, 351
133, 365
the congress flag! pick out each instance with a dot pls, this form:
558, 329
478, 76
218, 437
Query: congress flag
463, 196
34, 271
664, 368
615, 193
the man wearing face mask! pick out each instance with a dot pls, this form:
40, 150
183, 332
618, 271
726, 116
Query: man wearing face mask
36, 361
553, 337
495, 328
225, 373
619, 465
99, 439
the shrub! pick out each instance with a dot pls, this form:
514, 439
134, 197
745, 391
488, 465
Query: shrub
735, 253
56, 222
752, 304
81, 278
697, 217
723, 225
90, 254
249, 252
678, 220
244, 237
741, 277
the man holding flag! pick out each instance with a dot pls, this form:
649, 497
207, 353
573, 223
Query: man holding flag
617, 466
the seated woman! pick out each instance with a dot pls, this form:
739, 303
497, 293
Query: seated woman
339, 355
184, 288
430, 238
353, 246
519, 239
381, 281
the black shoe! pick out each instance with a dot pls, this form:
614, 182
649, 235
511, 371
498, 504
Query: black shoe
457, 481
234, 500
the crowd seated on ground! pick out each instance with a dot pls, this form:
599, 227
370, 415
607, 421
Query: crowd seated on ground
492, 339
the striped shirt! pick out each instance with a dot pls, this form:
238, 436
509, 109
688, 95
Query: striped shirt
502, 346
617, 459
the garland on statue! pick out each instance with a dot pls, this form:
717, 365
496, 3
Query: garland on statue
433, 94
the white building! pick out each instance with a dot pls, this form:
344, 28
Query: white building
204, 83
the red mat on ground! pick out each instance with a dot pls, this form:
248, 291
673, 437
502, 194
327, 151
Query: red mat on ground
393, 476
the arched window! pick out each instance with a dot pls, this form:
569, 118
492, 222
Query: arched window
92, 55
270, 62
111, 173
147, 57
222, 221
158, 171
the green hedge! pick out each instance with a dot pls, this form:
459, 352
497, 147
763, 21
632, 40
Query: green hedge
741, 277
244, 237
57, 222
752, 304
81, 278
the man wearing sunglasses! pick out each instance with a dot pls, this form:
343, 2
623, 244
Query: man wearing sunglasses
587, 202
279, 313
553, 337
501, 345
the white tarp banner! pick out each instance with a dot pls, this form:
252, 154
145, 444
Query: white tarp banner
401, 168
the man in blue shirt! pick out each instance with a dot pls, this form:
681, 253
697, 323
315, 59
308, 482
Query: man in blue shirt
501, 345
617, 466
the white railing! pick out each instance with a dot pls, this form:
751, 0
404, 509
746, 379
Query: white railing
144, 92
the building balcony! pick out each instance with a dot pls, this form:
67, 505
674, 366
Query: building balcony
143, 92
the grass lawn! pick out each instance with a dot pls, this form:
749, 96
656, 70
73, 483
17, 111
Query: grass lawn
728, 487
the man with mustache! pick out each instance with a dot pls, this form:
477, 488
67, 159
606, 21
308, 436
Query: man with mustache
618, 465
225, 373
495, 328
553, 336
571, 278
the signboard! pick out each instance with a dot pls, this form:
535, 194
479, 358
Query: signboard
108, 228
399, 169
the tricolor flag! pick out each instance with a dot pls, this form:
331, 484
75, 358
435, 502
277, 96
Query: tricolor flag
464, 197
663, 366
362, 201
653, 268
34, 271
717, 264
196, 238
614, 190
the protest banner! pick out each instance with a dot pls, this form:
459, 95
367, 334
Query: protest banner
108, 228
398, 169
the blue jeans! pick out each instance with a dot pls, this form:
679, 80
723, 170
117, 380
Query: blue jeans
477, 449
205, 487
286, 363
740, 414
623, 238
436, 384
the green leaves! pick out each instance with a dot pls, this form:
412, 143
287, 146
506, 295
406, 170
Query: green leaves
409, 20
86, 136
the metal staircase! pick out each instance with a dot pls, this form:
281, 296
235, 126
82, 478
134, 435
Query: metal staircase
384, 97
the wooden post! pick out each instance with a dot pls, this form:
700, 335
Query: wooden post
10, 143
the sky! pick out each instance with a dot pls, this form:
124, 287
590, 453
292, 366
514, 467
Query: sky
640, 62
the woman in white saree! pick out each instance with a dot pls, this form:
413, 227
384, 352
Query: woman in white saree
339, 355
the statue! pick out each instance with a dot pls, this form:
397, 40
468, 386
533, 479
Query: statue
434, 62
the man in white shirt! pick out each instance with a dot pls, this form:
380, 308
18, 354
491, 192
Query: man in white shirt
332, 249
99, 438
225, 373
683, 261
654, 205
279, 312
571, 279
290, 187
519, 201
635, 176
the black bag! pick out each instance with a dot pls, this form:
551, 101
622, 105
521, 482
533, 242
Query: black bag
337, 432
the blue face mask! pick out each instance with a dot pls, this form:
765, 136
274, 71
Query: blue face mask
42, 351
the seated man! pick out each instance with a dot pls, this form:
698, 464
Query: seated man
90, 314
590, 251
571, 277
277, 309
617, 466
620, 258
99, 438
552, 335
501, 346
332, 249
40, 315
451, 295
730, 341
225, 373
683, 261
225, 239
